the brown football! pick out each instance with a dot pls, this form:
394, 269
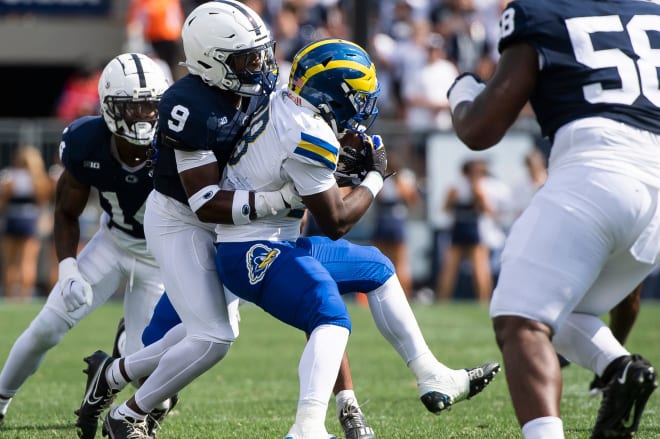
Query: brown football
352, 139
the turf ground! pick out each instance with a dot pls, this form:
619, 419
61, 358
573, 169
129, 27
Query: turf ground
252, 393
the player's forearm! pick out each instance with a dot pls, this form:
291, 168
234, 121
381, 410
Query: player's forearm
66, 236
475, 128
339, 220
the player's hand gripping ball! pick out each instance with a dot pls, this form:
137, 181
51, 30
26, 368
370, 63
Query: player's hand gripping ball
354, 160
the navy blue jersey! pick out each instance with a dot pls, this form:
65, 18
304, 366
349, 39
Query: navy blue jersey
597, 57
194, 116
85, 152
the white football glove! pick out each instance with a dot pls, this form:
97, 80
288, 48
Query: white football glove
466, 87
75, 290
271, 203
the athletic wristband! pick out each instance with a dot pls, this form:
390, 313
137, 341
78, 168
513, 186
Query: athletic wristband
465, 88
373, 181
202, 196
240, 208
68, 268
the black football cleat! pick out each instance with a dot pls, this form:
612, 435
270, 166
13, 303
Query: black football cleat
98, 395
624, 398
124, 427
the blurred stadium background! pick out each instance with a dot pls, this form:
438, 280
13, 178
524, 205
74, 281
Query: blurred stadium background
48, 42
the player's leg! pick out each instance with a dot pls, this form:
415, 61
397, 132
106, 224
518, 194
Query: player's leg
142, 288
586, 340
183, 248
447, 277
261, 273
546, 275
350, 414
110, 377
479, 254
622, 319
97, 263
365, 268
624, 315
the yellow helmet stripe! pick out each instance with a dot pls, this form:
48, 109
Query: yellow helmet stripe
313, 46
368, 82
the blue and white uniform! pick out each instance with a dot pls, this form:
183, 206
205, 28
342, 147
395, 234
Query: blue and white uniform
199, 122
257, 261
117, 254
592, 232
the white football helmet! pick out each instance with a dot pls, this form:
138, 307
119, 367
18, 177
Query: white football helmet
130, 88
228, 45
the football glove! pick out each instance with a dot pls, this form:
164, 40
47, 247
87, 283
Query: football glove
353, 164
466, 87
376, 155
75, 290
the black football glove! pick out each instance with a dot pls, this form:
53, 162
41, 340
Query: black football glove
376, 157
351, 168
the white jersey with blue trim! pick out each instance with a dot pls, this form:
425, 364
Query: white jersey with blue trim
285, 142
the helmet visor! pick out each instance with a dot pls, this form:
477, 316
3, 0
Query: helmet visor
132, 110
365, 109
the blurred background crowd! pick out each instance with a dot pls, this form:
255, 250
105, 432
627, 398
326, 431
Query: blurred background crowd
442, 218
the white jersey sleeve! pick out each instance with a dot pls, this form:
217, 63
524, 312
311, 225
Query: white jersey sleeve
312, 146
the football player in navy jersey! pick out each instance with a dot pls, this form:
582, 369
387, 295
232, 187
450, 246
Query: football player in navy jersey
229, 54
110, 153
592, 232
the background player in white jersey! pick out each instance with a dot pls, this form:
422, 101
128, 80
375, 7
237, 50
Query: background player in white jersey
592, 232
332, 90
110, 153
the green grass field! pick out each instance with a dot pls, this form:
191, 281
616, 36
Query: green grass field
252, 393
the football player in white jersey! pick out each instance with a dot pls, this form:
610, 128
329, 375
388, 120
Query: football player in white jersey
592, 233
332, 89
111, 153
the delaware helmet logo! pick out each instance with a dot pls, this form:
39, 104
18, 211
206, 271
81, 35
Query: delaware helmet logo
258, 259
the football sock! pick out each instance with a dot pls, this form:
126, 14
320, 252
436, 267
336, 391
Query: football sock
395, 320
548, 427
124, 411
426, 366
114, 377
346, 397
319, 364
586, 340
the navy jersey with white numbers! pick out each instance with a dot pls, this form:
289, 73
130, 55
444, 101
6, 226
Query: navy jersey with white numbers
597, 58
85, 153
194, 116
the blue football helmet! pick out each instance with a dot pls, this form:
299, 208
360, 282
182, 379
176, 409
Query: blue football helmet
338, 79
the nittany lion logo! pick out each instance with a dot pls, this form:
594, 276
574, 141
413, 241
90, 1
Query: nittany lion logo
258, 259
